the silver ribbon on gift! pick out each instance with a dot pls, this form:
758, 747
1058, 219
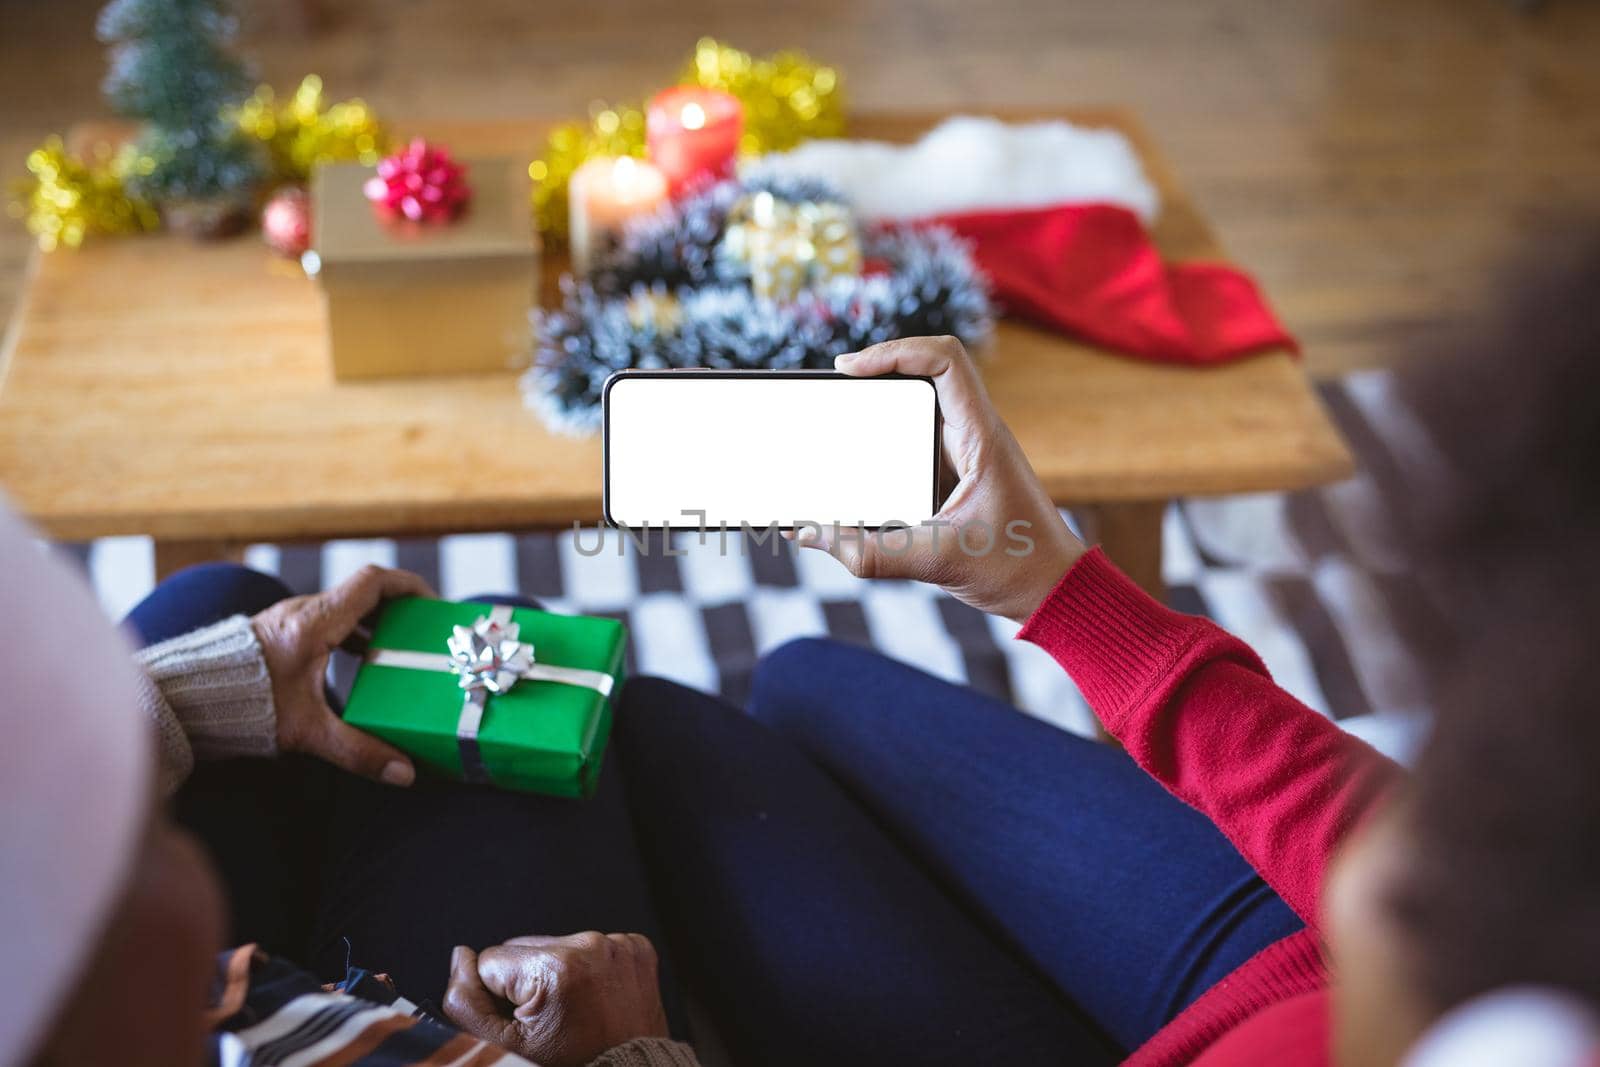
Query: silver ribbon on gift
488, 659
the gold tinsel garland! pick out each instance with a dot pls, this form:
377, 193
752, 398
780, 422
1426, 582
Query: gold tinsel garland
303, 130
787, 99
66, 199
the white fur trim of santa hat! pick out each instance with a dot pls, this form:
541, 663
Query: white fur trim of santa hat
968, 163
75, 781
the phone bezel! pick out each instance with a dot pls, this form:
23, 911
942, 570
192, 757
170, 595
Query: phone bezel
754, 374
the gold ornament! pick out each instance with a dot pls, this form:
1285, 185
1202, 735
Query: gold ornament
788, 246
304, 131
67, 199
787, 99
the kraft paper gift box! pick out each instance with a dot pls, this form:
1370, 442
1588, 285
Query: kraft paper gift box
511, 697
406, 299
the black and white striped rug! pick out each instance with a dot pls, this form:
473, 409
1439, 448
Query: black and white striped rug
1309, 579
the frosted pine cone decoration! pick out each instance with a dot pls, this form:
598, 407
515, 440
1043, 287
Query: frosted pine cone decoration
421, 183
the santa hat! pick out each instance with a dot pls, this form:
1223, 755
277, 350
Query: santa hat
75, 781
1056, 217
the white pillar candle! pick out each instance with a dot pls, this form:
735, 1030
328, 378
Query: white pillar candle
602, 195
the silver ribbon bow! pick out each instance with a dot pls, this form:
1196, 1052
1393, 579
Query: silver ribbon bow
487, 659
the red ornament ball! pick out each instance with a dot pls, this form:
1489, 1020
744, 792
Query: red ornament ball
421, 183
286, 222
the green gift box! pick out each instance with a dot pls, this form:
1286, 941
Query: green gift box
486, 693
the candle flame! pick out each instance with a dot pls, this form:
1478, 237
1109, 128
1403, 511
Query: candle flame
634, 180
693, 116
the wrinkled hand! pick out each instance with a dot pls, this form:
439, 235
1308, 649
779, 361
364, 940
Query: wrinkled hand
297, 635
998, 543
558, 1001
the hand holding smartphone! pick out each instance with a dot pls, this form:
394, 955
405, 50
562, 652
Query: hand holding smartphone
861, 448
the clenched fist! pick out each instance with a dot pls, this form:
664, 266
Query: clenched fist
558, 1001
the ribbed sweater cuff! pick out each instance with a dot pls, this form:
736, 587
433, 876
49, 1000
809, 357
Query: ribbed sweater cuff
216, 682
648, 1052
1110, 635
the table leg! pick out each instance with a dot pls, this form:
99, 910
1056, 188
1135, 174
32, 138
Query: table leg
173, 556
1131, 535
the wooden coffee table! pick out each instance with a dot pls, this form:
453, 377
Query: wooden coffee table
158, 386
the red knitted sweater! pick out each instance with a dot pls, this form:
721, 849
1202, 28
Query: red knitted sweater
1196, 709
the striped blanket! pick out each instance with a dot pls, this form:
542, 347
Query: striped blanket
1310, 579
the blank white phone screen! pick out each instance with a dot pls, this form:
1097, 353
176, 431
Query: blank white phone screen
762, 449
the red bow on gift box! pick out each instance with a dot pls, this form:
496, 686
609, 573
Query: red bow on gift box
420, 183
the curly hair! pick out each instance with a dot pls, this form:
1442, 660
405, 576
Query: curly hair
1504, 880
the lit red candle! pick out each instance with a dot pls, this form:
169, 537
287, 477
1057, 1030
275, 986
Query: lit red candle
693, 134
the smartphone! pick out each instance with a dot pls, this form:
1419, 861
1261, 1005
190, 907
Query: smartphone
689, 449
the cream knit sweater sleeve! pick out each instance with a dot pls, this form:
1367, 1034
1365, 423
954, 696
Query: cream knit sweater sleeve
648, 1052
210, 697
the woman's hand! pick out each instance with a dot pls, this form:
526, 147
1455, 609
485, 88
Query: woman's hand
998, 543
297, 636
558, 1001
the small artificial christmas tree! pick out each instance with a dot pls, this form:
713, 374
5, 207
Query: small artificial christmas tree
170, 66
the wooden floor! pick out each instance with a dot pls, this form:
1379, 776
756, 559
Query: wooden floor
1371, 160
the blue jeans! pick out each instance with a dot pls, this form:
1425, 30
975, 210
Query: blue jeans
871, 865
874, 862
